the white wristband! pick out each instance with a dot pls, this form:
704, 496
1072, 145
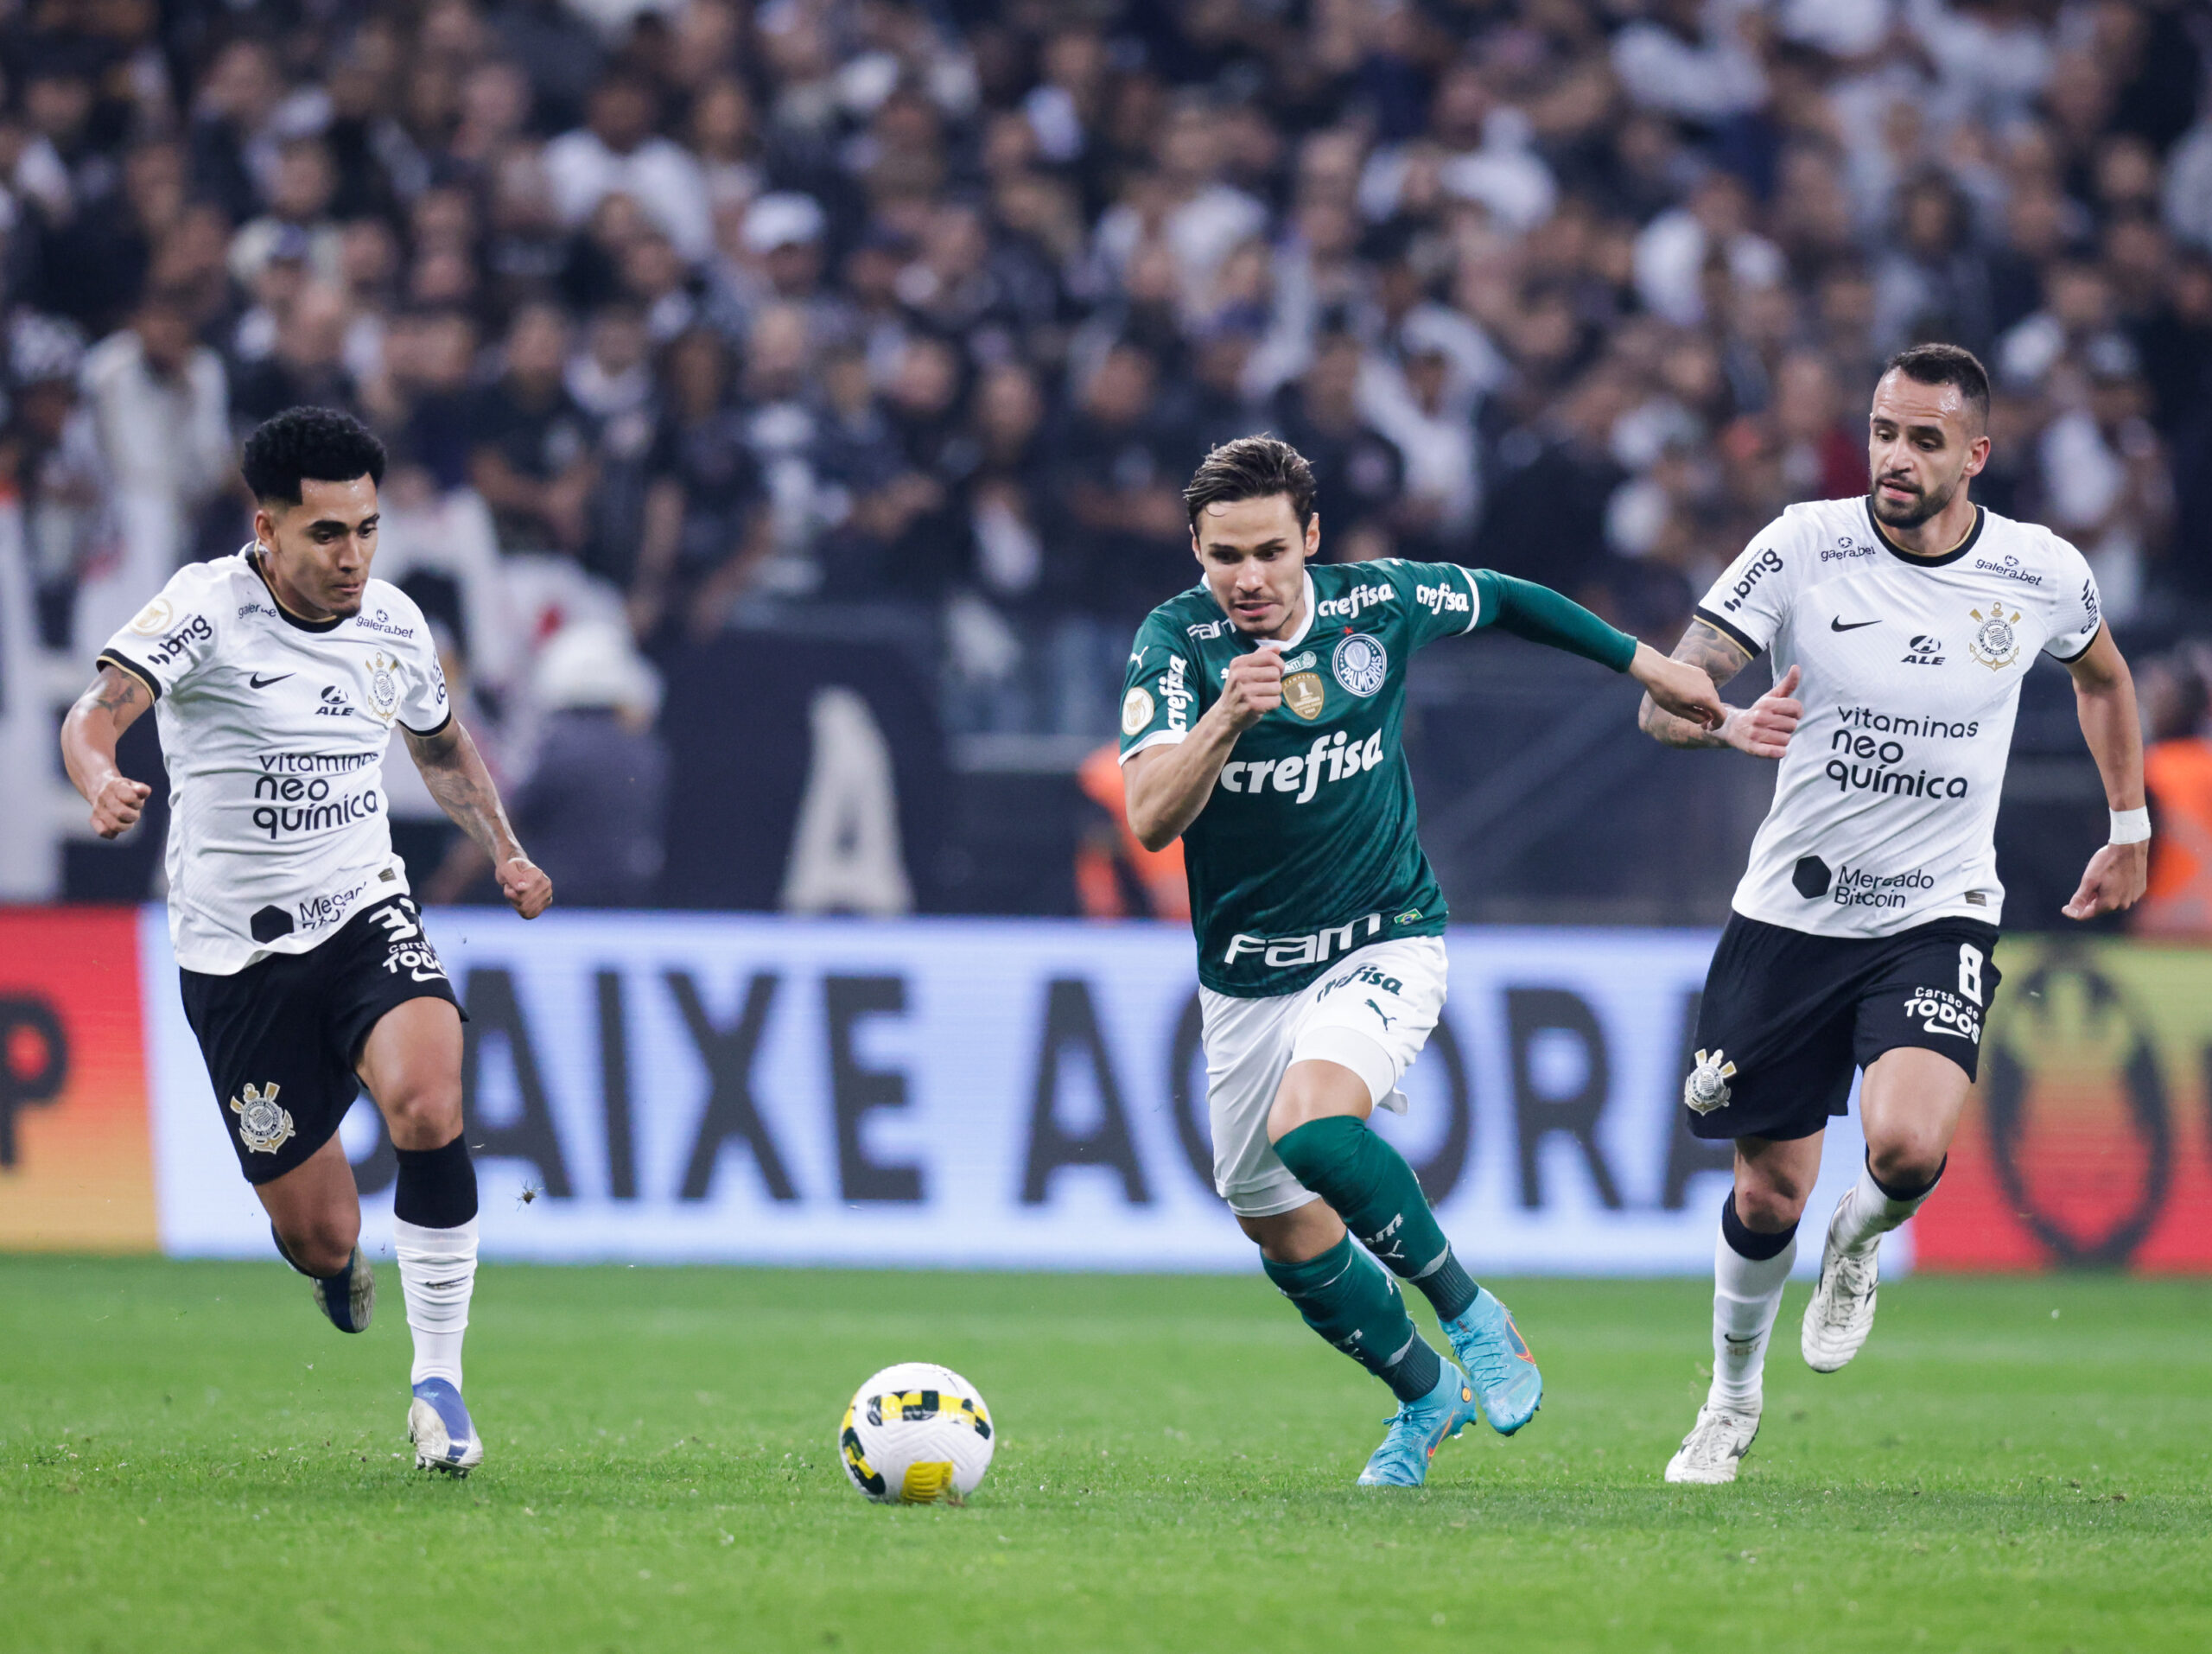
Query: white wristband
2131, 826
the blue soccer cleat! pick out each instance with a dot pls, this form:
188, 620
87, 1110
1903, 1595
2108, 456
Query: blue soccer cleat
1418, 1429
348, 1298
438, 1424
1484, 1337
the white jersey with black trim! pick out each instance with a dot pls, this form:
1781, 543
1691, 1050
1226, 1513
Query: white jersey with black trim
275, 730
1885, 806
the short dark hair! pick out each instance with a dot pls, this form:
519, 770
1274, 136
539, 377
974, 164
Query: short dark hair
1946, 365
308, 444
1251, 467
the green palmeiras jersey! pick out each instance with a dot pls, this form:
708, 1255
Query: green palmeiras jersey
1308, 847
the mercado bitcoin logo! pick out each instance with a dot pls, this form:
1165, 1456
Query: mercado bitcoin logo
2080, 1133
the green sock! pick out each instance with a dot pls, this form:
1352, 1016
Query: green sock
1377, 1195
1356, 1307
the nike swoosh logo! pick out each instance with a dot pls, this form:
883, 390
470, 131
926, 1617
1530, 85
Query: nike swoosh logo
1731, 1339
1837, 625
261, 682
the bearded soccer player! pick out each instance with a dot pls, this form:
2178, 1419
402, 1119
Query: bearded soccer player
1901, 625
1260, 722
277, 676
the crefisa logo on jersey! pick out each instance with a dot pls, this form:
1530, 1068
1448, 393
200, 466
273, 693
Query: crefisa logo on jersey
1360, 663
383, 686
1995, 643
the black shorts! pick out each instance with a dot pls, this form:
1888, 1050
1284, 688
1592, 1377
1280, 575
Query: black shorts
281, 1037
1787, 1017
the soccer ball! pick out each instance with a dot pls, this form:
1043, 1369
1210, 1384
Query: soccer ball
915, 1433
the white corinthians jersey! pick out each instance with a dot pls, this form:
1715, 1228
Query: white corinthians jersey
275, 730
1885, 806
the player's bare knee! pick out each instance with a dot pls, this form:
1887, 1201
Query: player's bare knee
1768, 1208
323, 1245
424, 1116
1909, 1162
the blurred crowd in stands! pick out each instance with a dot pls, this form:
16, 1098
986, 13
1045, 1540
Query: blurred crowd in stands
682, 316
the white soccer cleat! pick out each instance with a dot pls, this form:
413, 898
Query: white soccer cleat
444, 1435
1715, 1444
1841, 1313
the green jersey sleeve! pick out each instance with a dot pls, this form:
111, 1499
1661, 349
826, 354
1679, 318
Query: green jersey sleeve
1541, 615
1159, 691
1441, 600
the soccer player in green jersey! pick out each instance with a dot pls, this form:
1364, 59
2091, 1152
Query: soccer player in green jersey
1259, 722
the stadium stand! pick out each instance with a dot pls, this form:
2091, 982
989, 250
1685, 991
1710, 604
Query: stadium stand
898, 326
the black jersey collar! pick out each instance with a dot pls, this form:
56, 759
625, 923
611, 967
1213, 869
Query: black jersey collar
252, 556
1916, 560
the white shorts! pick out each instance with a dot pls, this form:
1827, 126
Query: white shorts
1371, 1013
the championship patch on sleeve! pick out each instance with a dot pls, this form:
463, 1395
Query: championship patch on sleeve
1136, 710
154, 619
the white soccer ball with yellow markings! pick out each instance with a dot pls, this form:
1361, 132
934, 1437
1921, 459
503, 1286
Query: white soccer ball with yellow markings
916, 1434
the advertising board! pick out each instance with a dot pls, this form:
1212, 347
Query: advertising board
1000, 1094
1014, 1094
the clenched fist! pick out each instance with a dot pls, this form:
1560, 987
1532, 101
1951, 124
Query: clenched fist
526, 888
118, 803
1254, 686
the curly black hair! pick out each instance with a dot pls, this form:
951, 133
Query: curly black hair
308, 444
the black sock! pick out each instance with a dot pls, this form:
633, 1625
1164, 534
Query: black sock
1749, 1243
1905, 1193
436, 1187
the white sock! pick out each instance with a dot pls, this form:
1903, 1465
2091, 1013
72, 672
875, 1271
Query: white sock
1746, 1296
1868, 1214
437, 1273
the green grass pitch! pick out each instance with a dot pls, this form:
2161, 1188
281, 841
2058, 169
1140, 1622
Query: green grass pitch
190, 1460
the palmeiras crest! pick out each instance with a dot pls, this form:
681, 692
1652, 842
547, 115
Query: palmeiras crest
1360, 663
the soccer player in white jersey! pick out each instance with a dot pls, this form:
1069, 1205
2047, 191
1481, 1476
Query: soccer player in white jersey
277, 676
1900, 626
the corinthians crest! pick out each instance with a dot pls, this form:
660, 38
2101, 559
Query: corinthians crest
383, 685
262, 1126
1995, 643
1707, 1089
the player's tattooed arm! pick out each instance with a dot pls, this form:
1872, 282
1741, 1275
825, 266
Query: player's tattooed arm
1762, 728
453, 771
89, 735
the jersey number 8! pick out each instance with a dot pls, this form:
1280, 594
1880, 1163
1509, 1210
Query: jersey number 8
1970, 972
